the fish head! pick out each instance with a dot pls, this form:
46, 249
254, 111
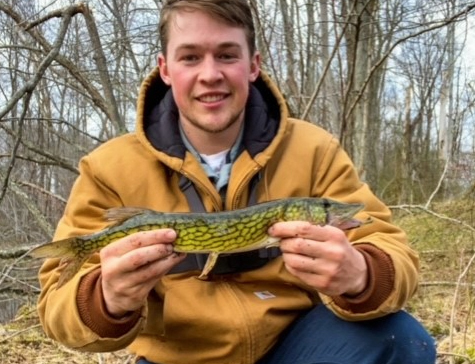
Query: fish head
341, 215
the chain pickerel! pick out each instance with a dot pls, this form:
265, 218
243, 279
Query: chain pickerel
214, 233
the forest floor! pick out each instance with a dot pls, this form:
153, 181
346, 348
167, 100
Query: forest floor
444, 236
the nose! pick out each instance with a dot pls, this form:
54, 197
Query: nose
210, 71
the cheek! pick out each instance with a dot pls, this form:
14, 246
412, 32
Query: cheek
181, 88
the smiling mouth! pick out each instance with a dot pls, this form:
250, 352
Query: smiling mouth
211, 98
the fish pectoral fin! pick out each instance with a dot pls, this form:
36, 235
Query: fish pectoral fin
210, 262
71, 267
272, 242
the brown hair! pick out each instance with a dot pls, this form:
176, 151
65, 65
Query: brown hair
235, 13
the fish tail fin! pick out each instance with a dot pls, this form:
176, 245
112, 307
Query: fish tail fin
72, 258
57, 249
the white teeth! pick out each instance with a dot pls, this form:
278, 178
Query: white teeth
212, 98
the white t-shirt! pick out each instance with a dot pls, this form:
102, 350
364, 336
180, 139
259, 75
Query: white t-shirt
215, 161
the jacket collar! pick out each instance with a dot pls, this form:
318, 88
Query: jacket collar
157, 117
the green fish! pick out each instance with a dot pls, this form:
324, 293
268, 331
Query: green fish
213, 233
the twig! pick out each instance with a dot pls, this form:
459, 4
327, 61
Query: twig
14, 253
326, 67
45, 63
430, 212
19, 333
73, 10
33, 208
383, 59
446, 353
42, 190
445, 283
30, 287
439, 184
101, 63
10, 267
454, 302
11, 164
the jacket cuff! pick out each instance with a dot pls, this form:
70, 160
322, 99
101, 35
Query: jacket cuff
93, 311
380, 282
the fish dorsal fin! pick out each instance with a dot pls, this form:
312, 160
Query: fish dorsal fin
117, 215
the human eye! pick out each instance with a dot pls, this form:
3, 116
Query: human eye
189, 58
228, 56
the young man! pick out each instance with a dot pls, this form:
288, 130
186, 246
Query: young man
213, 134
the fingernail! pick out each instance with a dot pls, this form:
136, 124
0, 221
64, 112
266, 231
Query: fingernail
170, 234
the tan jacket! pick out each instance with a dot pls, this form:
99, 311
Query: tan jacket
225, 318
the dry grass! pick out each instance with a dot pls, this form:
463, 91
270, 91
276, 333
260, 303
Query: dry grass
444, 301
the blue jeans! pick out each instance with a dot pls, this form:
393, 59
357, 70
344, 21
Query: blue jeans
320, 337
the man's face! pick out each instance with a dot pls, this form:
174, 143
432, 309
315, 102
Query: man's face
209, 68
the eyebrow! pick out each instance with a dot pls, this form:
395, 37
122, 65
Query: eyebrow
223, 45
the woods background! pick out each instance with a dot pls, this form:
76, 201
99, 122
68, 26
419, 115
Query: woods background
393, 80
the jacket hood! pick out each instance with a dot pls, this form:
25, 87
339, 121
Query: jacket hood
157, 116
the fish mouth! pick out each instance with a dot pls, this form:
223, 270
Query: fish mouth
342, 215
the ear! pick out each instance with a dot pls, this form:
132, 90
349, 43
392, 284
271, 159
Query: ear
162, 65
255, 66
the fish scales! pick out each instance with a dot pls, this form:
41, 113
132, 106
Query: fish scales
213, 233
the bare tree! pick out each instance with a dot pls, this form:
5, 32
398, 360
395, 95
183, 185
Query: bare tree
370, 72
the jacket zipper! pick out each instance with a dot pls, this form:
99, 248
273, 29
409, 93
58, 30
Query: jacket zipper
248, 344
244, 182
201, 185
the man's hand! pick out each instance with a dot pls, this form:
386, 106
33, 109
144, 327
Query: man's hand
322, 257
133, 265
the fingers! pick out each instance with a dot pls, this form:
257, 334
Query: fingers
301, 237
321, 256
139, 240
132, 266
304, 229
139, 250
135, 285
143, 256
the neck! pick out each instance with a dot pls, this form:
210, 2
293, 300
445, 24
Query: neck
211, 142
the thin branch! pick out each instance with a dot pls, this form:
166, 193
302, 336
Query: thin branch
30, 86
446, 353
72, 68
32, 208
61, 122
455, 297
72, 10
439, 184
19, 285
20, 332
59, 161
22, 254
41, 162
430, 212
101, 63
324, 73
383, 59
42, 191
15, 148
27, 90
445, 283
14, 253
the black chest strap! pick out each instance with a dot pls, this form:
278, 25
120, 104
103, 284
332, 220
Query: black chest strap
226, 263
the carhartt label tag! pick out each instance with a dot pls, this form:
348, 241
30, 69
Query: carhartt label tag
264, 295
